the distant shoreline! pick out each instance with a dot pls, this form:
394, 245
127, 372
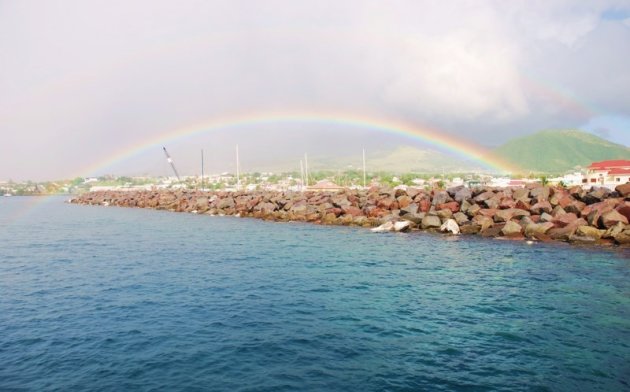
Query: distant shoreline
537, 213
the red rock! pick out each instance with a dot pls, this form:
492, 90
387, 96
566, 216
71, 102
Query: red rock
483, 196
540, 193
425, 205
487, 212
624, 210
404, 201
575, 207
503, 215
538, 228
493, 231
453, 206
473, 210
386, 203
469, 229
611, 218
565, 201
564, 220
540, 207
483, 221
520, 204
541, 237
624, 189
506, 203
511, 229
623, 238
351, 210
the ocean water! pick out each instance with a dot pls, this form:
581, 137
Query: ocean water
114, 299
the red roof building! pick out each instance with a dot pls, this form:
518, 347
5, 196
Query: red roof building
607, 165
608, 173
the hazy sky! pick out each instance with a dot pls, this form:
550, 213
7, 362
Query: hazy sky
82, 80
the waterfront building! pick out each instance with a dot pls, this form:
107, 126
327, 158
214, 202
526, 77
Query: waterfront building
608, 174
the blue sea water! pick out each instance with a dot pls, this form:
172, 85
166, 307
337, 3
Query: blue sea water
115, 299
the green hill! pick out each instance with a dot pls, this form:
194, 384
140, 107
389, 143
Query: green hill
402, 159
558, 151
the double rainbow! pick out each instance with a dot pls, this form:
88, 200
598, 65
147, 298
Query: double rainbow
434, 137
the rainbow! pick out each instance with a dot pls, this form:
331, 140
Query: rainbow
427, 135
556, 96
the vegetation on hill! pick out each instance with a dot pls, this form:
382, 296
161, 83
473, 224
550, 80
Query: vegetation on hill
559, 151
402, 159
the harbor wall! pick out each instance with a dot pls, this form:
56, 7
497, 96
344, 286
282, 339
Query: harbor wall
536, 212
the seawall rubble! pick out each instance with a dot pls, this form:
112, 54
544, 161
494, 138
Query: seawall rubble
543, 213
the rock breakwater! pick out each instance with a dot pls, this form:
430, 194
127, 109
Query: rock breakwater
543, 213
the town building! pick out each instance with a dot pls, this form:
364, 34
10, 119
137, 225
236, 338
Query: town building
608, 174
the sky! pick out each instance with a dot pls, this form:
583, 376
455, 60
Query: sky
90, 87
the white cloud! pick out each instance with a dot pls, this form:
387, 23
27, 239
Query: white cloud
117, 73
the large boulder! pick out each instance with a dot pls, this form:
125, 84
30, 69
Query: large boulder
624, 189
503, 215
511, 229
402, 226
431, 222
624, 209
385, 227
541, 206
415, 218
463, 194
227, 202
352, 210
546, 217
565, 219
453, 206
614, 230
611, 218
534, 229
450, 226
444, 214
564, 233
595, 195
589, 231
340, 201
469, 229
483, 221
404, 201
440, 197
424, 205
460, 218
521, 194
623, 238
575, 207
473, 210
483, 196
409, 209
494, 231
540, 193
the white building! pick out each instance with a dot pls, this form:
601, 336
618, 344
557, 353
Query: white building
607, 173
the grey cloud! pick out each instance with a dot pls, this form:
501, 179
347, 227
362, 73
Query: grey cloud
81, 80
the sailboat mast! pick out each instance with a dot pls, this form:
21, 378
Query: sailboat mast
170, 161
301, 175
202, 169
306, 168
364, 177
238, 171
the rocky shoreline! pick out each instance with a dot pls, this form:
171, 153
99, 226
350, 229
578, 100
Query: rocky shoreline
596, 216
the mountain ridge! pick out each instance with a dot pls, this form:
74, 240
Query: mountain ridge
552, 151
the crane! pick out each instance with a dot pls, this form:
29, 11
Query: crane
170, 161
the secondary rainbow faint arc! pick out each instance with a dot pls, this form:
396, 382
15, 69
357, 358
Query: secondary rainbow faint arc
429, 135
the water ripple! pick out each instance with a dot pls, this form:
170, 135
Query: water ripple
127, 299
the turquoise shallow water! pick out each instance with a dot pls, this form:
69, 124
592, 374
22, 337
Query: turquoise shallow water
95, 298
